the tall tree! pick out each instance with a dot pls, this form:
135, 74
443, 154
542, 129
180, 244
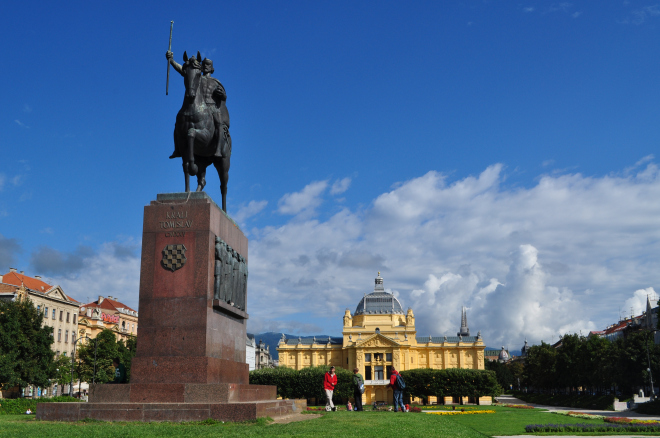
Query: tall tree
26, 357
106, 350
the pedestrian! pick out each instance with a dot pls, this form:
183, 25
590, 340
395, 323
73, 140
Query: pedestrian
358, 389
120, 371
329, 383
396, 382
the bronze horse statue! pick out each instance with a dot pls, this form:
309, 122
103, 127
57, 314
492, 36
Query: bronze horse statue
196, 139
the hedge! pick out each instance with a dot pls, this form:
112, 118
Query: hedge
454, 382
14, 406
306, 383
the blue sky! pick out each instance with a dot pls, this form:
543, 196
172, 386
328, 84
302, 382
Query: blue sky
495, 155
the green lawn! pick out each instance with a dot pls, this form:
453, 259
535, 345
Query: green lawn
506, 421
334, 424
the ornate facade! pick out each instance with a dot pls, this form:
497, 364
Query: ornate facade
107, 313
379, 336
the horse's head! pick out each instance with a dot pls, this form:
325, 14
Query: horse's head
192, 74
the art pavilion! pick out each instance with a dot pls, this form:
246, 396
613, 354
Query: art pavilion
379, 336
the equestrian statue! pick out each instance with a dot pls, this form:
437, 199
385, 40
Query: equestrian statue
201, 131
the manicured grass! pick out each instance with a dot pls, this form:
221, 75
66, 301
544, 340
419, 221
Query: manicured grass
333, 424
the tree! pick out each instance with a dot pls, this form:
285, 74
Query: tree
26, 357
107, 348
63, 371
540, 369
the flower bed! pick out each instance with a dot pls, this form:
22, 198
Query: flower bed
447, 408
514, 406
583, 415
626, 420
580, 427
461, 412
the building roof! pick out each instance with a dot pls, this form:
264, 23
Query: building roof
378, 301
34, 284
313, 340
441, 339
110, 304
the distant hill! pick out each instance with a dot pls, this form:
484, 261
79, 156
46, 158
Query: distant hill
272, 339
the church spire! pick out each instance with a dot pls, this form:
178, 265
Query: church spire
465, 331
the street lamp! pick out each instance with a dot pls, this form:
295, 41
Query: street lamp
73, 356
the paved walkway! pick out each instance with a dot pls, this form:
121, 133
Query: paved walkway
508, 399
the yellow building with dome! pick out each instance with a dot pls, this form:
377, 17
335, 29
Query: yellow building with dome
379, 336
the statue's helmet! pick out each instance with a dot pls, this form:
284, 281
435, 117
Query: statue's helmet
207, 66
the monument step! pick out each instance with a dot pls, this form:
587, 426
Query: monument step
181, 393
175, 412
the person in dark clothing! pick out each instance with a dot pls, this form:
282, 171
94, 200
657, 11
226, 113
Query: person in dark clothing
357, 394
120, 371
398, 392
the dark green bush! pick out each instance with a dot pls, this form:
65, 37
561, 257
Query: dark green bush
306, 383
584, 401
425, 382
15, 406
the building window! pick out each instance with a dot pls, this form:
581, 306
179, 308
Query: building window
367, 357
64, 353
388, 357
66, 336
59, 337
53, 313
46, 311
74, 318
378, 371
58, 355
73, 336
367, 372
39, 308
61, 315
411, 359
378, 357
133, 328
377, 330
123, 325
67, 316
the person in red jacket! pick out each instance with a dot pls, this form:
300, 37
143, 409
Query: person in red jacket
329, 383
398, 392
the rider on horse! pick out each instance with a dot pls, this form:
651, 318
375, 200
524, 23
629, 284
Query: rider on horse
215, 97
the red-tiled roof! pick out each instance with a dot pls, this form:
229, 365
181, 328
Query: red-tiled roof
31, 283
108, 304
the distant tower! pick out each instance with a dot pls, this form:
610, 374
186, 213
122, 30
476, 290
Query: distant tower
465, 331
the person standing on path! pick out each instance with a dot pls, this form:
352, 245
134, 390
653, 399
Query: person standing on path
329, 383
358, 381
398, 392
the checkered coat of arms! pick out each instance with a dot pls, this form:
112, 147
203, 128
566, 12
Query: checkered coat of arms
174, 257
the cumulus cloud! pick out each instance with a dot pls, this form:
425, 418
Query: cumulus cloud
9, 249
113, 269
50, 261
636, 304
340, 186
303, 202
525, 261
249, 210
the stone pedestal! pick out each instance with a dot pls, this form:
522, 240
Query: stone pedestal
190, 360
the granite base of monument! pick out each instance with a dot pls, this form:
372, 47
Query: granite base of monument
190, 359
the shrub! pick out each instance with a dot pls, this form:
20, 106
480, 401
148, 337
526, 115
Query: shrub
535, 428
425, 382
306, 383
16, 406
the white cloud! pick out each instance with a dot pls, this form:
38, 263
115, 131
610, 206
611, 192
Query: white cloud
637, 303
249, 210
27, 108
525, 261
529, 9
110, 271
303, 202
639, 16
21, 124
340, 186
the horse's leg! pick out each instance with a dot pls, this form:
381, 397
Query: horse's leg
187, 175
190, 152
222, 166
201, 175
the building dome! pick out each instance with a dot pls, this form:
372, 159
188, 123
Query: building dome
504, 355
378, 301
